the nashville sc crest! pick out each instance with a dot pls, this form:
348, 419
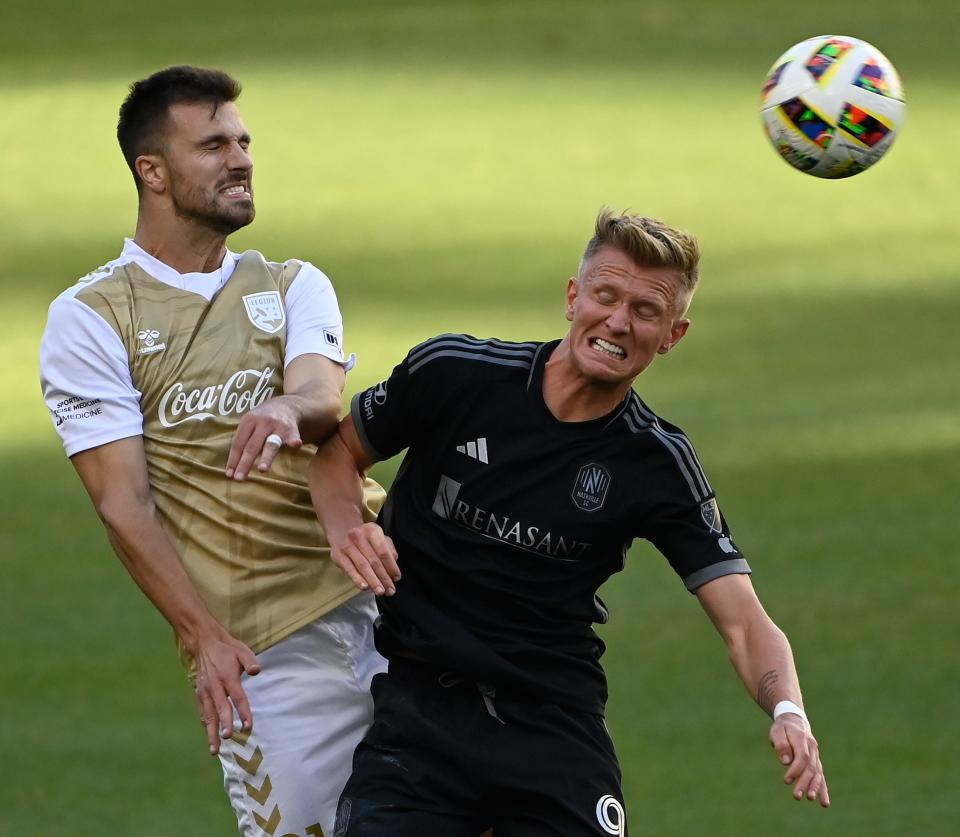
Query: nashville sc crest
591, 486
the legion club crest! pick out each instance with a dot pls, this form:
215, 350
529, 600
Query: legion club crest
265, 311
590, 488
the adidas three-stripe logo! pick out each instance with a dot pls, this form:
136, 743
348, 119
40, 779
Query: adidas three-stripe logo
476, 450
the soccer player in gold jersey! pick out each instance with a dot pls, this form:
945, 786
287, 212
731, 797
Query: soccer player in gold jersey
189, 384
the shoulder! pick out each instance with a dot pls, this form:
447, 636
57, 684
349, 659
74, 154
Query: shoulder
308, 277
99, 281
665, 444
464, 350
83, 333
94, 297
292, 266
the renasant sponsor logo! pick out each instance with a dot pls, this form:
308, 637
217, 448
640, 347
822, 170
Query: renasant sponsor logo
244, 390
500, 527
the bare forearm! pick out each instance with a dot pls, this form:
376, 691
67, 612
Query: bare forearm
143, 547
115, 477
758, 649
308, 411
336, 489
764, 660
362, 550
313, 388
318, 412
762, 657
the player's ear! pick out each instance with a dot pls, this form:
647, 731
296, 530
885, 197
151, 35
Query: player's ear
572, 288
152, 172
677, 330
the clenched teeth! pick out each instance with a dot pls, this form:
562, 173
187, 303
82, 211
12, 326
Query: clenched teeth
234, 190
608, 348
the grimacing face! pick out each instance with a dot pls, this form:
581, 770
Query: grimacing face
622, 316
208, 165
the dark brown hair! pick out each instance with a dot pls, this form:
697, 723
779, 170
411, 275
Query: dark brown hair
143, 114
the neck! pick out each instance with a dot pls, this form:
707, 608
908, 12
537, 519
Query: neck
179, 243
572, 397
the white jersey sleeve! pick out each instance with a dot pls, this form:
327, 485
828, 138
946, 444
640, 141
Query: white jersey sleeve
85, 376
314, 324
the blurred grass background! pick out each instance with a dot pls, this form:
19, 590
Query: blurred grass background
443, 162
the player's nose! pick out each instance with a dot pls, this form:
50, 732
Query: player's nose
239, 158
618, 319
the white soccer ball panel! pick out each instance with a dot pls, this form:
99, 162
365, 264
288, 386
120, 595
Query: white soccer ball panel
831, 105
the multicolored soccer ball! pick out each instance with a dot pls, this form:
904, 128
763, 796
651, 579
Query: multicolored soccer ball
832, 105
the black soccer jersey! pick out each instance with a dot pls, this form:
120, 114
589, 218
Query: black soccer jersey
507, 521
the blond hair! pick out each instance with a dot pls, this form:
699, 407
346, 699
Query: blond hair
649, 243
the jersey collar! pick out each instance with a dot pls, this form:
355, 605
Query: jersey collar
535, 393
204, 284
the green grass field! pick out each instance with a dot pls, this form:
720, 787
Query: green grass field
443, 162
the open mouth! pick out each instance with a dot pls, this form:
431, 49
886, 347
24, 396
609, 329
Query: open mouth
608, 348
235, 190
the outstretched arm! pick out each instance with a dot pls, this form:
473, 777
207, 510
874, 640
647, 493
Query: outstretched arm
115, 476
361, 550
761, 654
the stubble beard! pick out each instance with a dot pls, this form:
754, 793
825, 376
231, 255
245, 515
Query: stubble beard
212, 211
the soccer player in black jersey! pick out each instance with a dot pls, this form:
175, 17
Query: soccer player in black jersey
530, 468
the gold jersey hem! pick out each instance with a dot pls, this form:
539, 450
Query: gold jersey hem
280, 633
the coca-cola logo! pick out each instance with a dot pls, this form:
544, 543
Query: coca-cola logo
242, 391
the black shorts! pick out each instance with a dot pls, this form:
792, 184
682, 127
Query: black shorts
446, 758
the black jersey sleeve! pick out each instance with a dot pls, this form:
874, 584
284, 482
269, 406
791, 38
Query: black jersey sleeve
683, 520
695, 539
396, 413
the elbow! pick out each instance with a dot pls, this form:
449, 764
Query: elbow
327, 428
322, 421
120, 512
737, 645
744, 640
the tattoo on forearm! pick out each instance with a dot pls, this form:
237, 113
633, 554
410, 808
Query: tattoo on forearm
765, 691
